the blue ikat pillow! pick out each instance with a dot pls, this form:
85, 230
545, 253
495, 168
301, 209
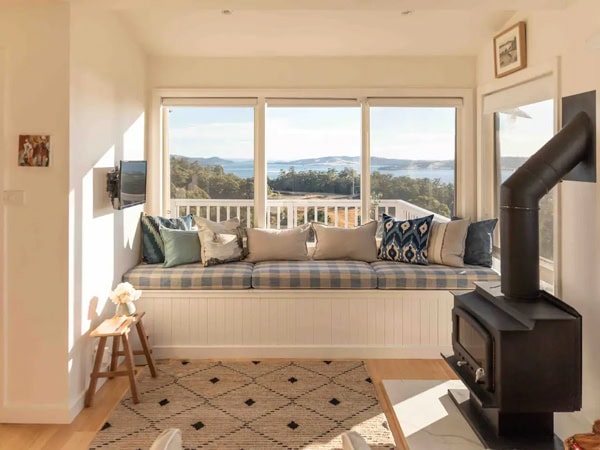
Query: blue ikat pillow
405, 240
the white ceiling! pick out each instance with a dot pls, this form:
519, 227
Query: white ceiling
194, 28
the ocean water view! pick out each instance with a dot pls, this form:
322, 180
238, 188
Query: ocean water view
245, 169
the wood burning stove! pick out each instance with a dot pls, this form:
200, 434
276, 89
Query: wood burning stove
516, 348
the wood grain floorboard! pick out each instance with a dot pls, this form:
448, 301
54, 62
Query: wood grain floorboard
79, 434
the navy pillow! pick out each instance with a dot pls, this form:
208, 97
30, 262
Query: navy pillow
152, 243
405, 240
479, 243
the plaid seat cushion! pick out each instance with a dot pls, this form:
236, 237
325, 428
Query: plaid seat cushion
396, 275
235, 275
313, 275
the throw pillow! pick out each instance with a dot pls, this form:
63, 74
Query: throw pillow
220, 242
405, 240
153, 250
277, 245
351, 440
447, 243
181, 246
479, 243
346, 243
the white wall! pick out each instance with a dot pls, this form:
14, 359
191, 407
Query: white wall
565, 34
107, 70
342, 72
34, 295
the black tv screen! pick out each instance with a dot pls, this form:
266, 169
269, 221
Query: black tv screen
132, 183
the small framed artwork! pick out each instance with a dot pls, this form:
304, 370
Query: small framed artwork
34, 150
510, 50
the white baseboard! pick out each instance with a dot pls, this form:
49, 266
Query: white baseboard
310, 352
36, 413
77, 404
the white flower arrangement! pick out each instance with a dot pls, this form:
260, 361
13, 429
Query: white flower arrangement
124, 293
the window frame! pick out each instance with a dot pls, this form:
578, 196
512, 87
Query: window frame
158, 154
487, 177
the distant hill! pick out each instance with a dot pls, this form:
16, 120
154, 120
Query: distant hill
212, 161
377, 163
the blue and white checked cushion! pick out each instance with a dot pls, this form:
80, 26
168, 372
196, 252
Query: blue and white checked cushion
152, 243
396, 275
313, 275
235, 275
405, 240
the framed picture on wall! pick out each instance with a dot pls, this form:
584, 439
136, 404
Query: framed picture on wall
34, 150
510, 50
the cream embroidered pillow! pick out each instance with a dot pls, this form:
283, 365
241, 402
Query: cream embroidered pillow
447, 243
220, 242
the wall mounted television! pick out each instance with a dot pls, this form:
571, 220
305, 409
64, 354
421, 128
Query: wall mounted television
127, 184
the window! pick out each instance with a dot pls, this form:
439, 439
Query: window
282, 161
413, 153
313, 165
520, 132
211, 155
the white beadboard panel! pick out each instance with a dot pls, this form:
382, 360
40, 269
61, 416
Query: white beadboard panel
340, 325
198, 321
322, 320
290, 323
376, 321
180, 310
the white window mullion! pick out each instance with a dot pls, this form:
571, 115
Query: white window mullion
260, 166
365, 163
166, 165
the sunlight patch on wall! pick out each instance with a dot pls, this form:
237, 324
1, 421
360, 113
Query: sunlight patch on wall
133, 140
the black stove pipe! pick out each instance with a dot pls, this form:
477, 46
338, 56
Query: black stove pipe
519, 205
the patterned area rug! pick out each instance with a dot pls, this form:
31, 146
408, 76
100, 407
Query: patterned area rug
250, 405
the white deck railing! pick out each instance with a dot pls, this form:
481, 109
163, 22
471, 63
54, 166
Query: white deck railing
343, 213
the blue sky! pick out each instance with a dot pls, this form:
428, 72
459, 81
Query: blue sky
520, 136
304, 132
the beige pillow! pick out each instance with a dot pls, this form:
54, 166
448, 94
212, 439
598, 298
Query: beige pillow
346, 243
277, 245
447, 243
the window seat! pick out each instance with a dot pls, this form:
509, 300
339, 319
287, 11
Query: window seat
301, 309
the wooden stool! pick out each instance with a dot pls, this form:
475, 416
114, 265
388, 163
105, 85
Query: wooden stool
118, 328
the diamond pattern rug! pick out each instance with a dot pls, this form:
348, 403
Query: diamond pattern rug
250, 405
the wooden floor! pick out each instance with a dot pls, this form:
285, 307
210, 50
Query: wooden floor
79, 434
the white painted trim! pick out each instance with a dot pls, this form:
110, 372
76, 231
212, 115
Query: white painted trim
207, 102
316, 93
466, 158
260, 165
154, 203
522, 76
312, 102
165, 160
305, 352
3, 237
365, 161
54, 413
78, 403
446, 102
